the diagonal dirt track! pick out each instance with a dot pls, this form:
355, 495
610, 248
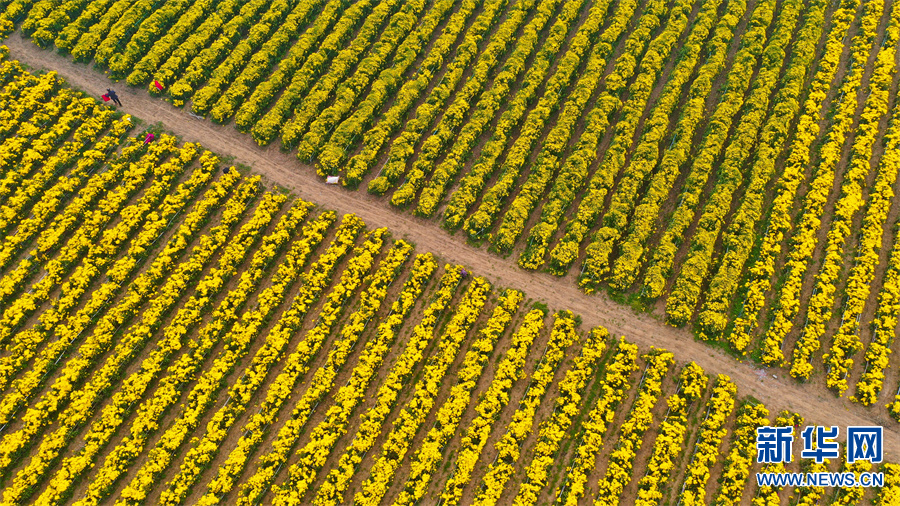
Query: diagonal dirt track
813, 400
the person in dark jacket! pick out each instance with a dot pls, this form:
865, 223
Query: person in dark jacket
115, 98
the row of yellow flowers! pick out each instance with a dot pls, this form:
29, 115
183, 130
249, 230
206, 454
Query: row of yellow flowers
759, 280
702, 162
262, 89
576, 168
631, 433
140, 290
742, 454
55, 121
53, 228
567, 406
493, 100
219, 46
591, 43
90, 31
37, 89
312, 456
738, 238
509, 447
768, 495
347, 397
590, 439
156, 26
687, 290
470, 185
890, 493
492, 402
706, 450
554, 145
35, 112
435, 102
21, 197
240, 338
336, 482
91, 253
399, 440
370, 14
449, 415
223, 326
53, 162
44, 211
99, 258
380, 72
89, 241
645, 52
331, 148
879, 350
667, 448
139, 67
455, 113
298, 363
82, 402
233, 59
261, 62
575, 172
804, 240
134, 386
68, 27
845, 343
730, 169
344, 86
172, 53
412, 89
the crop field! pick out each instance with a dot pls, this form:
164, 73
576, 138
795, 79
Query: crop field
175, 333
733, 162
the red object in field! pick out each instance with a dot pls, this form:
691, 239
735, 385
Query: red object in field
158, 86
149, 139
105, 97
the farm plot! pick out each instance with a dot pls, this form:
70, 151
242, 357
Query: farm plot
730, 163
175, 333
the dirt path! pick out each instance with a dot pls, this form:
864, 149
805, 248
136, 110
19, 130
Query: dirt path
813, 401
